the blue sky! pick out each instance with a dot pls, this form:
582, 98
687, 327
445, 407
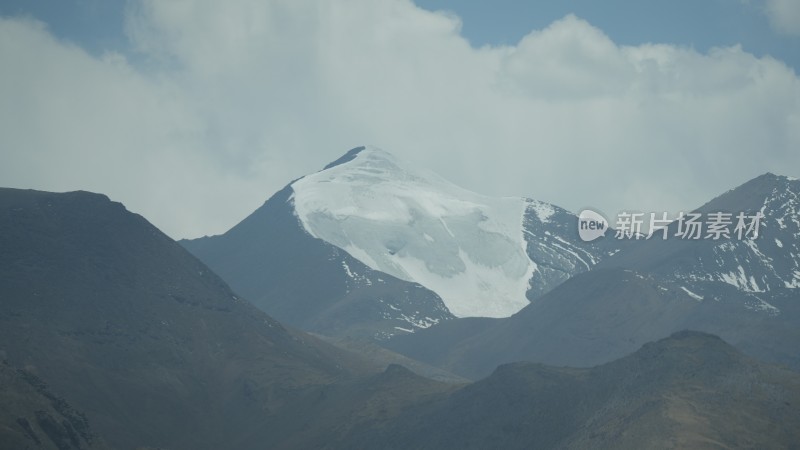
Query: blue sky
93, 24
192, 113
98, 24
699, 24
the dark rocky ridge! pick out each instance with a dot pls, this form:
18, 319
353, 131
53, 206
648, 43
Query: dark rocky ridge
691, 390
597, 317
135, 332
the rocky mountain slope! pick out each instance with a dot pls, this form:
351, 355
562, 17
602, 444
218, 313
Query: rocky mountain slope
691, 390
597, 317
762, 264
741, 289
136, 333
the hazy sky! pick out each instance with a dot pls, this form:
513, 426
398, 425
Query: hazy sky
194, 113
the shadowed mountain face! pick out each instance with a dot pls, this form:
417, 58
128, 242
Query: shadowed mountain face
33, 417
597, 317
691, 390
310, 284
135, 332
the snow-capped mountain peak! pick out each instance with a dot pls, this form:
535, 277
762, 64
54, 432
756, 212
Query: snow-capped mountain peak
372, 246
414, 225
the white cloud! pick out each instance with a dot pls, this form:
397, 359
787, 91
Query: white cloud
239, 97
69, 121
784, 16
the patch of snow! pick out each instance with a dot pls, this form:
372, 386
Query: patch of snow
761, 305
543, 210
725, 247
693, 277
359, 254
347, 269
567, 244
754, 248
416, 226
794, 283
692, 294
563, 247
741, 281
421, 323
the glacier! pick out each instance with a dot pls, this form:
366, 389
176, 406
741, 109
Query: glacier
414, 225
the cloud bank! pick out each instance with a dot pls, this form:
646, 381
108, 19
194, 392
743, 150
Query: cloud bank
784, 16
226, 102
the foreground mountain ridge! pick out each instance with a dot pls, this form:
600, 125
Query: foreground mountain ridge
130, 329
689, 390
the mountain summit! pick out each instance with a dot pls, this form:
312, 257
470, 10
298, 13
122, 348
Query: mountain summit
371, 245
418, 227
